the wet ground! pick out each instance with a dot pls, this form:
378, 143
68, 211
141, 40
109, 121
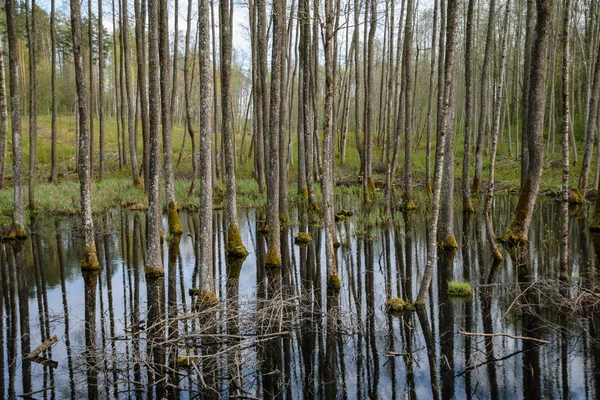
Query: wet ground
278, 334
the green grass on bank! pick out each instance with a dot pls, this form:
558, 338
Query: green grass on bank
117, 189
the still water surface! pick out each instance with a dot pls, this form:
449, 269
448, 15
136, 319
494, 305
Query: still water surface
278, 334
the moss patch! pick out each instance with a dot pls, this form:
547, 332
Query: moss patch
408, 205
235, 246
396, 305
15, 232
342, 215
264, 229
576, 196
234, 267
302, 238
272, 260
89, 261
459, 289
205, 300
154, 272
334, 284
511, 239
448, 243
174, 225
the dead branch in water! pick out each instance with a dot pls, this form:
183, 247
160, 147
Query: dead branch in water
503, 335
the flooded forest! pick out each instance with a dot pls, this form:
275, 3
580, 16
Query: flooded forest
297, 199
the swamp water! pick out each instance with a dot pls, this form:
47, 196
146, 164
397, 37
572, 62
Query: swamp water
278, 334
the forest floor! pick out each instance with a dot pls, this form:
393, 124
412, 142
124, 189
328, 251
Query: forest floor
117, 188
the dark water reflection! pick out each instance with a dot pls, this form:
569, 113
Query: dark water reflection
277, 333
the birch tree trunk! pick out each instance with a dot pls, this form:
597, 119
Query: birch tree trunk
428, 187
235, 246
521, 220
90, 258
32, 103
497, 113
140, 20
466, 195
130, 97
154, 265
188, 111
590, 132
476, 188
205, 239
164, 55
18, 223
54, 106
3, 115
407, 203
273, 257
101, 88
327, 181
566, 117
440, 149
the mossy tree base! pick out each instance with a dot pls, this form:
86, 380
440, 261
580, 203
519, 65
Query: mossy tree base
408, 205
396, 305
334, 284
154, 272
576, 196
205, 299
89, 261
448, 243
302, 238
511, 239
234, 267
459, 289
235, 246
272, 260
15, 232
174, 225
137, 183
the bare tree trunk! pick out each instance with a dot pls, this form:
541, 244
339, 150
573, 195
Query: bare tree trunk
54, 166
407, 202
566, 117
216, 150
497, 114
428, 187
590, 133
273, 257
188, 111
154, 265
476, 188
521, 220
101, 87
440, 149
18, 223
529, 37
235, 246
117, 88
32, 102
259, 148
91, 77
205, 239
368, 186
466, 195
286, 44
327, 181
130, 98
3, 115
175, 55
90, 258
140, 20
165, 96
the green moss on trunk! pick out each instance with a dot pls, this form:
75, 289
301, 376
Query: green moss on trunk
235, 247
576, 196
272, 260
408, 205
395, 305
302, 238
15, 232
334, 284
90, 262
174, 225
154, 272
448, 243
234, 267
137, 182
205, 300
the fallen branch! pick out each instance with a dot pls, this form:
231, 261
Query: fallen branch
36, 392
41, 348
504, 335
